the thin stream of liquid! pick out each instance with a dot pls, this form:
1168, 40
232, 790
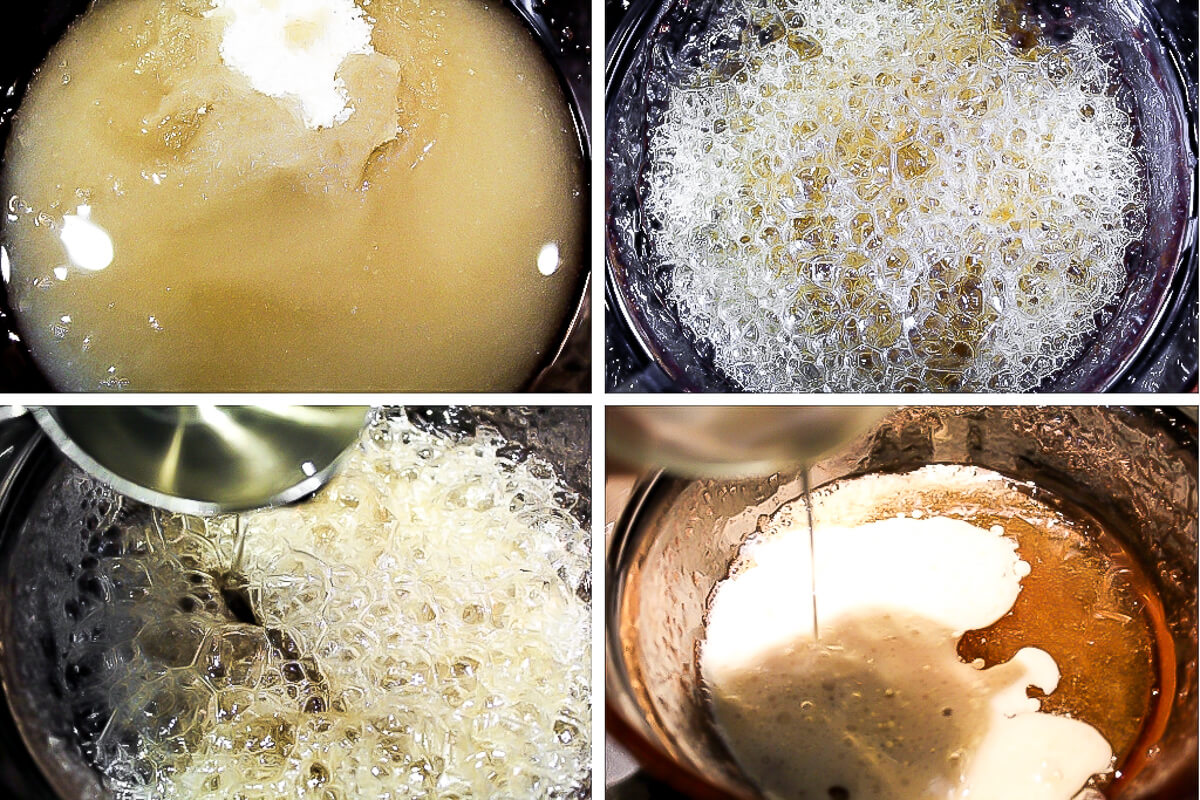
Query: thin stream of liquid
812, 548
240, 529
233, 584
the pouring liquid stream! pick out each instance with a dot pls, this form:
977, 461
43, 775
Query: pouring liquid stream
233, 585
240, 546
812, 548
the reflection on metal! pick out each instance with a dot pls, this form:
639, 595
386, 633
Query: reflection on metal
206, 459
725, 441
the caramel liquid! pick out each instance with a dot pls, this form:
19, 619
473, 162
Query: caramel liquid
432, 240
1089, 605
1086, 602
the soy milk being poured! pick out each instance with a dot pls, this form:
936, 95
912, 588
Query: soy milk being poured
882, 706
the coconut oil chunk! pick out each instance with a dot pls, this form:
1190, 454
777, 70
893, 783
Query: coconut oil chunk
293, 195
295, 50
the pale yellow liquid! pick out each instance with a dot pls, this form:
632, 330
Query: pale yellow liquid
397, 250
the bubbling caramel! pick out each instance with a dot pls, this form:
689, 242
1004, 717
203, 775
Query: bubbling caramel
311, 195
419, 629
892, 195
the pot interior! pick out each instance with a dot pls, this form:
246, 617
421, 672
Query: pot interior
1134, 471
659, 41
70, 631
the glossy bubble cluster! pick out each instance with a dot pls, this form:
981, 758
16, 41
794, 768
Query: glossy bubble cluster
893, 195
420, 629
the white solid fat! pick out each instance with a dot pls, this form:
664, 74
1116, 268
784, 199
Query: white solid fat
294, 49
881, 706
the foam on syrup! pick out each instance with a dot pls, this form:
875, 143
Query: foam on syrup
870, 196
418, 629
882, 706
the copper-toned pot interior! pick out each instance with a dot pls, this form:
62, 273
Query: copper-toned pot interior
1134, 470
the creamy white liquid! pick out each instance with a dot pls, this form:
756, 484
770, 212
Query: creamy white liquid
881, 706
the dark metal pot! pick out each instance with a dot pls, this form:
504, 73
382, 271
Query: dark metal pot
1149, 343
